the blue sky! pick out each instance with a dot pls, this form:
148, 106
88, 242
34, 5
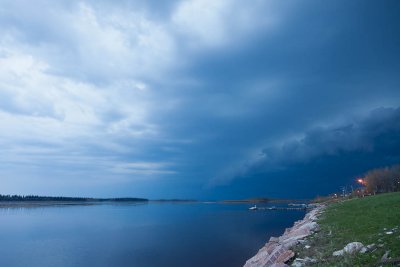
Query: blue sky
197, 98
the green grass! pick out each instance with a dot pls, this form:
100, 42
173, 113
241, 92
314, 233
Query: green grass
362, 220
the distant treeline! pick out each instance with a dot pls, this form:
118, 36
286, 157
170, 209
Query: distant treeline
46, 198
175, 200
383, 180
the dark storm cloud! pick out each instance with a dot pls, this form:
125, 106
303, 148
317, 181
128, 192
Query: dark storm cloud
325, 158
198, 98
317, 68
378, 134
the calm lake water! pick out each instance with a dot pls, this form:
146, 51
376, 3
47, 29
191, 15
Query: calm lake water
144, 235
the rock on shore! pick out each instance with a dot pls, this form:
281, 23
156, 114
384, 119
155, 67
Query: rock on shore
276, 251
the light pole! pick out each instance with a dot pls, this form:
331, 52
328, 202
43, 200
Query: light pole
343, 191
362, 182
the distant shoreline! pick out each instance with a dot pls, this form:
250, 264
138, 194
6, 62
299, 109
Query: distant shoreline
8, 201
17, 201
93, 202
34, 198
47, 203
265, 200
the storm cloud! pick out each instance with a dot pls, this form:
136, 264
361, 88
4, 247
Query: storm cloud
197, 99
378, 134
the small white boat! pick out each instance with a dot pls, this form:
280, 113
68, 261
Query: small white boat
253, 208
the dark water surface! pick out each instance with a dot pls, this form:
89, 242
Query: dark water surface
143, 235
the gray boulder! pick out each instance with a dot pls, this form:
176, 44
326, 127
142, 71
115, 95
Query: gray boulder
353, 247
338, 253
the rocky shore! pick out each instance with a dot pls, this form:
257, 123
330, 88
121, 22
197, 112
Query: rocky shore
277, 251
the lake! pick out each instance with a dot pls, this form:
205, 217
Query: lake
138, 235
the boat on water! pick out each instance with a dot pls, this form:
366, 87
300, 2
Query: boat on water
253, 208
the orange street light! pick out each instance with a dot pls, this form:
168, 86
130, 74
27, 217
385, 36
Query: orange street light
361, 181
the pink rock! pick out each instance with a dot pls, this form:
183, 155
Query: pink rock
270, 247
279, 265
277, 251
285, 256
274, 239
289, 243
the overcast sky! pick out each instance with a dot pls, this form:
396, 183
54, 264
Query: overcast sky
206, 99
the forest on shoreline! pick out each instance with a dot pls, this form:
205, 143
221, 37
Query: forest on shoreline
21, 198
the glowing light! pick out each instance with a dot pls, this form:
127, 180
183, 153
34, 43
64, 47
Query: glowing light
361, 181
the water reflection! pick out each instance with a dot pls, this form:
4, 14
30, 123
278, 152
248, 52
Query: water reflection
142, 235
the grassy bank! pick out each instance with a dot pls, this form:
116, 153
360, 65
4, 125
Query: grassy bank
367, 220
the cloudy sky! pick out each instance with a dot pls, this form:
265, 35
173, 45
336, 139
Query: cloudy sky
196, 99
